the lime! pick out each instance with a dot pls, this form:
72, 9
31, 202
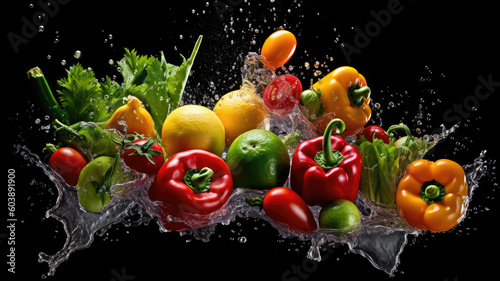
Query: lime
258, 159
341, 214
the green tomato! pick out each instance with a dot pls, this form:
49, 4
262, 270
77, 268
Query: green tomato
340, 215
95, 181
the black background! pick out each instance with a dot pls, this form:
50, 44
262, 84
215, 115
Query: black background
425, 55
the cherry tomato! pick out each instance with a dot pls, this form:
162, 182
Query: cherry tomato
288, 208
283, 93
68, 163
144, 156
279, 48
374, 131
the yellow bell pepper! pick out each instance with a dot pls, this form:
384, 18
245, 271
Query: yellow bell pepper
344, 94
431, 195
133, 118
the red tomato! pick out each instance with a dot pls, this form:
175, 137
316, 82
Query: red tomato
279, 48
144, 156
68, 163
283, 93
374, 131
288, 208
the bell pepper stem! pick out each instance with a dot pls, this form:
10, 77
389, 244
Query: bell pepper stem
432, 191
356, 94
399, 127
329, 158
199, 180
310, 99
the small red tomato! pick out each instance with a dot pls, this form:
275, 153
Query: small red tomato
144, 156
279, 48
286, 207
374, 131
68, 163
283, 93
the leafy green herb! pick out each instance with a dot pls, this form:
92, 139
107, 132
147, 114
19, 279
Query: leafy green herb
385, 164
81, 96
89, 137
166, 84
87, 103
379, 177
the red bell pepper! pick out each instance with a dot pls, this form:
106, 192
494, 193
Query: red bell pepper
191, 187
325, 169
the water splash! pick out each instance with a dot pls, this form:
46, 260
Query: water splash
381, 238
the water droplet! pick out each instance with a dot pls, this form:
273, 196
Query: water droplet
110, 61
180, 36
63, 62
41, 28
49, 57
77, 54
242, 239
37, 121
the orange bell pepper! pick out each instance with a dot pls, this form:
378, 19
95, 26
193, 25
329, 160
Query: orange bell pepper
431, 195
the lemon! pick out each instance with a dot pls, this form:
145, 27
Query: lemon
193, 127
241, 111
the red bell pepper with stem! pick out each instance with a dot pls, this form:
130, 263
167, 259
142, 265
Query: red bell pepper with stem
325, 169
190, 188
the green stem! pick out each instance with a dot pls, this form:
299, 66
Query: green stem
431, 191
37, 79
311, 100
398, 127
329, 158
199, 180
355, 93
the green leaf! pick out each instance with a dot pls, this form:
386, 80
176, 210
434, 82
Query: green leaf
165, 85
133, 67
81, 96
89, 137
380, 170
